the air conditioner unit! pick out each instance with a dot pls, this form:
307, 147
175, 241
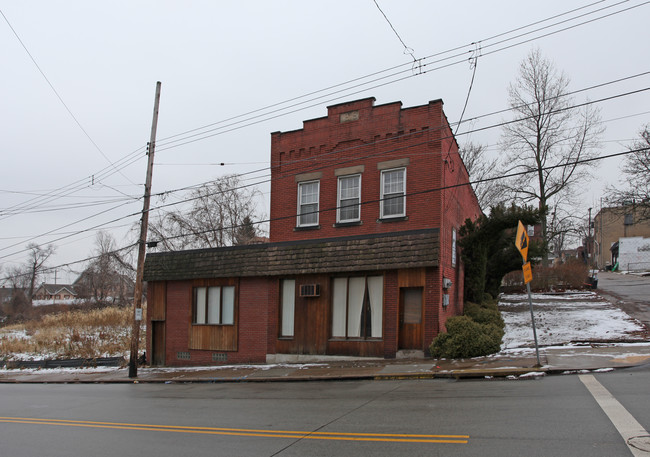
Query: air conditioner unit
446, 283
310, 290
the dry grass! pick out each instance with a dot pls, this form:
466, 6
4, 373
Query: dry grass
104, 332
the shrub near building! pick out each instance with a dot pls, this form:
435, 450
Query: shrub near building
476, 333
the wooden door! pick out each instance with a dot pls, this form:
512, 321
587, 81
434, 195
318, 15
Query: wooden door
310, 326
410, 318
157, 343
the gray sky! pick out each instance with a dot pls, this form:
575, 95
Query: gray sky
217, 60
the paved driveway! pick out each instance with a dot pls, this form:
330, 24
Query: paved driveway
630, 292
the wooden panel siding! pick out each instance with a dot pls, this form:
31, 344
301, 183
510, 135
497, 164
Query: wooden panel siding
157, 298
213, 337
413, 277
311, 320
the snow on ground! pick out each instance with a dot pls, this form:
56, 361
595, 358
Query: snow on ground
564, 318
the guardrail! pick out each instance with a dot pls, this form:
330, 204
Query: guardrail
64, 363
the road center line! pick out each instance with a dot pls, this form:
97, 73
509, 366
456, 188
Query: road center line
339, 436
624, 422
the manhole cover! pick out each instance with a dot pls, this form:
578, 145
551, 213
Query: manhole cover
640, 442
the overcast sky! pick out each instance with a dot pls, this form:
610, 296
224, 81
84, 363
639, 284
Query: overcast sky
78, 80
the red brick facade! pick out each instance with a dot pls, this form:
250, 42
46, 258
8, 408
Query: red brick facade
363, 144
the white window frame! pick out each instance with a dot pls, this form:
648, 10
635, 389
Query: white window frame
339, 201
287, 306
384, 196
301, 204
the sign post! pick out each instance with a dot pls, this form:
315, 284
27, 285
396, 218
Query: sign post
522, 242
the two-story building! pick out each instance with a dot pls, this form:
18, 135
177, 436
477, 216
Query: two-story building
366, 204
613, 224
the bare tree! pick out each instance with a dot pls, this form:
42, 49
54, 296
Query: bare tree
108, 275
35, 263
549, 140
635, 191
221, 214
482, 172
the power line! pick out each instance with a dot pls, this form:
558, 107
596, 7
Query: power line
432, 190
407, 50
58, 95
425, 191
356, 80
253, 120
332, 152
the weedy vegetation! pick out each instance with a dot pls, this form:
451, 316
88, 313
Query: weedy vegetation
92, 333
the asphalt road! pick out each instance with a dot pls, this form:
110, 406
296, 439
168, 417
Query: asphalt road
555, 415
630, 292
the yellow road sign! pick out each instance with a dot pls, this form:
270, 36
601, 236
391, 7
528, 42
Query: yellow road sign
522, 241
528, 273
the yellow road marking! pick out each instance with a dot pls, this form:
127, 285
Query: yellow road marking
343, 436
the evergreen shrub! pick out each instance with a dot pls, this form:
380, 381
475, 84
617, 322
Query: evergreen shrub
477, 333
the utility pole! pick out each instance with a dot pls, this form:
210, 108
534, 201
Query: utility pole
142, 243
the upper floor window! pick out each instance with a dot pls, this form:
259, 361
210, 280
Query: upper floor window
308, 193
214, 305
393, 193
349, 198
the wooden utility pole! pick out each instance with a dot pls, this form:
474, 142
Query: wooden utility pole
142, 243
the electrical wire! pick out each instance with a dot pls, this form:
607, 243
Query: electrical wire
59, 96
373, 74
162, 145
340, 162
373, 201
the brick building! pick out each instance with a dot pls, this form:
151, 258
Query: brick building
610, 225
362, 260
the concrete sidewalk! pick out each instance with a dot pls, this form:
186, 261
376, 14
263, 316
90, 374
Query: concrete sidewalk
555, 360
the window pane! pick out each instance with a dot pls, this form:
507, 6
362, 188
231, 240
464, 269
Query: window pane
338, 306
288, 306
349, 187
412, 305
393, 206
356, 291
199, 317
376, 292
453, 247
228, 305
308, 214
349, 209
393, 181
214, 302
309, 192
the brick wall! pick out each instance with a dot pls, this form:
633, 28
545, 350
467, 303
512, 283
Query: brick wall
252, 326
374, 135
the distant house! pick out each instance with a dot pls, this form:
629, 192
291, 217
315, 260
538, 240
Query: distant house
105, 286
55, 292
610, 225
362, 260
